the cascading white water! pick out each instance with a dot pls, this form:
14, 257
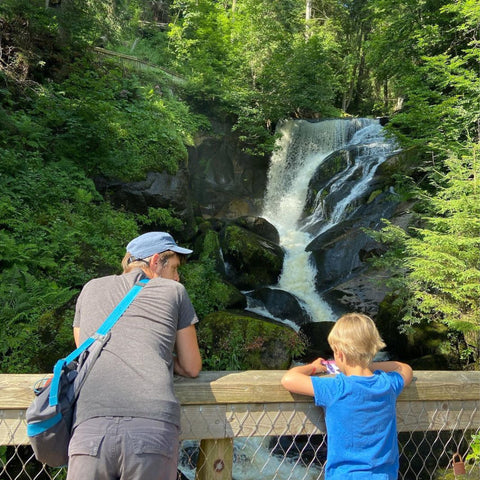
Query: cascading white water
374, 149
300, 149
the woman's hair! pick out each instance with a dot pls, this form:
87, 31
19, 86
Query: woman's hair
356, 335
129, 262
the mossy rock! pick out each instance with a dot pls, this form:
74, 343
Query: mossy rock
235, 340
405, 162
253, 261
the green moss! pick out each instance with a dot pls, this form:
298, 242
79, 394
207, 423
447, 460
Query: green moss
231, 341
211, 245
373, 196
245, 245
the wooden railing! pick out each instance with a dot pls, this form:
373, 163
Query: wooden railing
140, 64
220, 406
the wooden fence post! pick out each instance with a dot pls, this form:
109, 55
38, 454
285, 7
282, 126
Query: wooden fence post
215, 459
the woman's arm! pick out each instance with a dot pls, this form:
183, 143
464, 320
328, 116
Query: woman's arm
76, 335
188, 361
392, 366
297, 379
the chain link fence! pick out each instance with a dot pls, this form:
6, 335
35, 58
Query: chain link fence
262, 439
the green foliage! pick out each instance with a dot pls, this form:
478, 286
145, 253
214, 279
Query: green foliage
161, 216
56, 234
474, 455
206, 290
252, 61
32, 332
56, 231
435, 271
427, 54
113, 125
444, 257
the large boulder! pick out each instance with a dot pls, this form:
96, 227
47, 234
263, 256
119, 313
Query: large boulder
236, 340
365, 288
260, 226
343, 249
251, 261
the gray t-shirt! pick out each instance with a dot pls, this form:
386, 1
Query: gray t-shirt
133, 375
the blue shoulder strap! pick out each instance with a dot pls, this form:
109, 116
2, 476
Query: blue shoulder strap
102, 330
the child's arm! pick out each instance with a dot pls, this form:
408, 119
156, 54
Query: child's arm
297, 379
402, 368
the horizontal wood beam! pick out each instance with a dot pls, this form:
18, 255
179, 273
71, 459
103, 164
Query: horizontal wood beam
219, 405
261, 386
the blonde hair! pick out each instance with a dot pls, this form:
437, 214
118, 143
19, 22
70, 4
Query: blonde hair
129, 262
356, 335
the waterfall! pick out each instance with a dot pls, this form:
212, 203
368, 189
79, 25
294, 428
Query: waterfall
300, 149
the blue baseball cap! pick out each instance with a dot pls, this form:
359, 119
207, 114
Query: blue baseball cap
149, 243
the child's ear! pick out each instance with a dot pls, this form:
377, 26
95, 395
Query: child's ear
339, 354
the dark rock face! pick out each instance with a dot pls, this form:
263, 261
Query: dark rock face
220, 181
342, 250
225, 181
158, 190
282, 305
317, 333
344, 278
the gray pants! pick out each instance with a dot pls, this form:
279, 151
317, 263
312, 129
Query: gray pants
123, 448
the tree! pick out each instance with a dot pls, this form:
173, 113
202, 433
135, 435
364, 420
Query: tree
436, 273
256, 62
443, 257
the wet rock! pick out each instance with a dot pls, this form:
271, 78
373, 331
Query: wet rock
317, 333
260, 226
280, 304
343, 250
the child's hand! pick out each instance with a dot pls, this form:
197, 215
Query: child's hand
318, 367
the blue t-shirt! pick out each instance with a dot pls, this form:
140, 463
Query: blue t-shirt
360, 415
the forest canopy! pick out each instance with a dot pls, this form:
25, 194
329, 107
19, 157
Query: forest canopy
69, 113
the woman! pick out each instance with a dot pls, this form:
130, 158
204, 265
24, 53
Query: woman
127, 416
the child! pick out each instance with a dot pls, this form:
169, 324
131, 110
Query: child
359, 401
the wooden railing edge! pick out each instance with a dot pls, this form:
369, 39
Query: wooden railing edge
261, 386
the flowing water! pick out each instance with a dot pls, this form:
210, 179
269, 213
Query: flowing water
301, 148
